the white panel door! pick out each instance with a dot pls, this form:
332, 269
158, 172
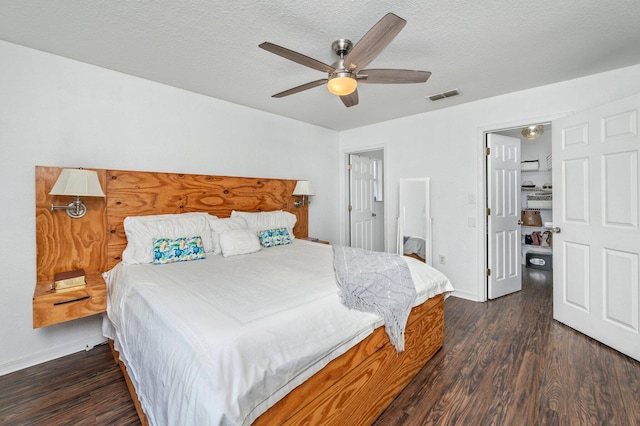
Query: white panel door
503, 224
361, 179
595, 209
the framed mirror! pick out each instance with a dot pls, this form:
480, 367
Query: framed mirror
414, 220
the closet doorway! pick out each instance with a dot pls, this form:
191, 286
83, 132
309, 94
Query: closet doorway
519, 219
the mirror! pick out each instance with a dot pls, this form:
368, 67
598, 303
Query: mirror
414, 221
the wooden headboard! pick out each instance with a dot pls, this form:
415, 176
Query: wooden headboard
95, 242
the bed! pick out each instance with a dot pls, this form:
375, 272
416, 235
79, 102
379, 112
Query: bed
244, 331
415, 247
350, 383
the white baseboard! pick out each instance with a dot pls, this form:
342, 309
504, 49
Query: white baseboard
465, 295
52, 353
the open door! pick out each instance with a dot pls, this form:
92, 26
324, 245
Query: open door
361, 217
596, 247
503, 220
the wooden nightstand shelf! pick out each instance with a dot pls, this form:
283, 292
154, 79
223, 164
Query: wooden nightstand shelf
53, 307
316, 240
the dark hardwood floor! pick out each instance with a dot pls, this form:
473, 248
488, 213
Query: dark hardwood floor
86, 388
505, 362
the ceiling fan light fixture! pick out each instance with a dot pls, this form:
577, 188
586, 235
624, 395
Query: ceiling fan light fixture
341, 78
533, 132
342, 84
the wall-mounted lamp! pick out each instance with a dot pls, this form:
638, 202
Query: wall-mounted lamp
76, 183
303, 188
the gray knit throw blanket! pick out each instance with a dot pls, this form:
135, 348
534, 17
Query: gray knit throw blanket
376, 282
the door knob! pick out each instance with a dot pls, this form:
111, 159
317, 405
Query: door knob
520, 222
555, 230
373, 215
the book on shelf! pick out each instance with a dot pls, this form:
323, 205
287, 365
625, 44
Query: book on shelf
69, 279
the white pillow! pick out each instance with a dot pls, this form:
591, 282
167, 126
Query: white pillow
218, 226
260, 221
239, 241
142, 231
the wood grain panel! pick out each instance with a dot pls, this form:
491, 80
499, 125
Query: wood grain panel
52, 307
356, 387
64, 243
143, 193
95, 242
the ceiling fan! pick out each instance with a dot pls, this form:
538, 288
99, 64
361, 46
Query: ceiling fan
345, 74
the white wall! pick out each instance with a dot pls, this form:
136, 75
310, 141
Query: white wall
445, 145
59, 112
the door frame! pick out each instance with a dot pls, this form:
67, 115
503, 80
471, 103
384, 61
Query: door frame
482, 204
345, 230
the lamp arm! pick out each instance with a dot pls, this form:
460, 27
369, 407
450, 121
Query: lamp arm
301, 203
74, 210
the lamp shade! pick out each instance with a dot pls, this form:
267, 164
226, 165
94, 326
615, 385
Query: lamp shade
303, 187
78, 182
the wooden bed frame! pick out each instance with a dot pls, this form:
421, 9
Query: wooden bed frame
353, 389
415, 256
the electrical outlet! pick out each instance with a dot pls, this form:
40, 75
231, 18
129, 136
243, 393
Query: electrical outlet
442, 260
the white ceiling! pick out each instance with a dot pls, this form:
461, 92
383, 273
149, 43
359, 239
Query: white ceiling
483, 48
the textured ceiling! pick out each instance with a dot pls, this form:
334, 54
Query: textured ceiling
483, 48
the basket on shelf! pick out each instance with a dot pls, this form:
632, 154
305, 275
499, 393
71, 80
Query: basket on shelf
539, 200
529, 165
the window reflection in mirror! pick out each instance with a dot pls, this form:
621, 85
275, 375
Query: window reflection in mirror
377, 180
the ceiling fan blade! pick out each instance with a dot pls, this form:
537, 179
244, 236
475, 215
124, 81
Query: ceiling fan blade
296, 57
350, 99
374, 42
393, 76
300, 88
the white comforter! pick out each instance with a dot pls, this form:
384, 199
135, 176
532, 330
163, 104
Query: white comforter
219, 341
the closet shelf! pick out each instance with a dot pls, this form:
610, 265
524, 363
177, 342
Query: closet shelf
541, 249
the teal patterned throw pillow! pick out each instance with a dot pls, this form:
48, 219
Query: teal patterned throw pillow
274, 237
169, 250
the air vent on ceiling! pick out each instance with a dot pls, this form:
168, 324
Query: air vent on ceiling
444, 95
